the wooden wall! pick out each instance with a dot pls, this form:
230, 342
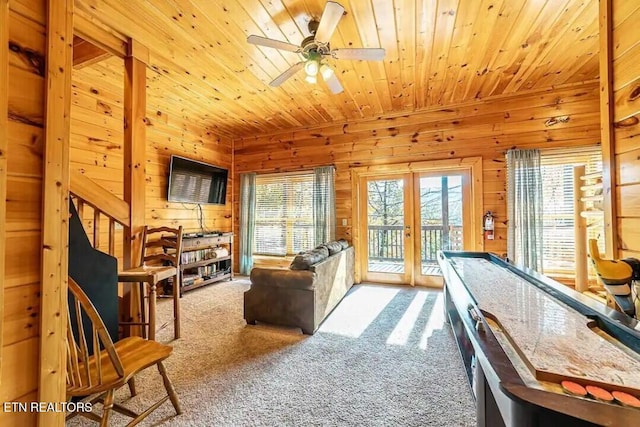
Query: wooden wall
97, 144
625, 57
21, 281
173, 130
96, 150
97, 137
484, 128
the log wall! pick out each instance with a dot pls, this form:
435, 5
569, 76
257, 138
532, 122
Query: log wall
21, 282
485, 128
97, 145
96, 150
625, 109
97, 137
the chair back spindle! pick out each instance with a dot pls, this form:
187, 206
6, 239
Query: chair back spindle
85, 365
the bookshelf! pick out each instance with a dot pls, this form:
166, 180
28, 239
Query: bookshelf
205, 259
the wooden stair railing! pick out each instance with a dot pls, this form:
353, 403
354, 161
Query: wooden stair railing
87, 192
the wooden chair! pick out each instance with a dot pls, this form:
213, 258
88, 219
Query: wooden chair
160, 260
98, 367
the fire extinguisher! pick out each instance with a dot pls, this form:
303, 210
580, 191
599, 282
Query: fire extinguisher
488, 225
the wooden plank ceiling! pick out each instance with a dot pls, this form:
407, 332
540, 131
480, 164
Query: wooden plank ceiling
437, 53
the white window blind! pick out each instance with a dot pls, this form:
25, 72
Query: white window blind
558, 212
284, 214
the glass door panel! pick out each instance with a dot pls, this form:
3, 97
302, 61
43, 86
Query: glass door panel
439, 219
387, 230
405, 219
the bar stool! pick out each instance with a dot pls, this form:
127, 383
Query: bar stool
160, 261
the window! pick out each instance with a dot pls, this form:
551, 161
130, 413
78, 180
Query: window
558, 208
284, 213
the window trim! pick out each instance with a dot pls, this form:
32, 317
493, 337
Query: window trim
289, 180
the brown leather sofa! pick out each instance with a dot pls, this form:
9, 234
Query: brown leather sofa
303, 295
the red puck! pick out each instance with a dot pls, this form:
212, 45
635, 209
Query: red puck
573, 388
626, 399
599, 393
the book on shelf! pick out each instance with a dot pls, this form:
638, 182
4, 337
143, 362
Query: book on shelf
203, 254
188, 279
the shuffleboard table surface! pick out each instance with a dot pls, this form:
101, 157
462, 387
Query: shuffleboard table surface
553, 338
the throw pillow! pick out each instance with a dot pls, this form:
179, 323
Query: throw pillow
306, 260
343, 243
333, 247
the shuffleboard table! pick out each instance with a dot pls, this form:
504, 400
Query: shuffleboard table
521, 334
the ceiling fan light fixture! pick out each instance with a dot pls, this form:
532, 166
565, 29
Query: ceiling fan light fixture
315, 47
326, 71
311, 67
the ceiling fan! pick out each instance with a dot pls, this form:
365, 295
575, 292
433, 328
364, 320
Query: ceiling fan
315, 47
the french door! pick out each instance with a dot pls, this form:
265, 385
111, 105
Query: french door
407, 218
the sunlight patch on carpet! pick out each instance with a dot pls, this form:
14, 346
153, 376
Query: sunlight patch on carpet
358, 310
436, 321
402, 331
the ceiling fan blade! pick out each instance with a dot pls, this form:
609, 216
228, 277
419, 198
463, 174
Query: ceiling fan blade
276, 44
329, 21
333, 83
357, 53
288, 73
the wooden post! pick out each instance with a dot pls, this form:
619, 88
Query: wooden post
55, 212
446, 238
135, 84
580, 232
96, 229
606, 131
4, 135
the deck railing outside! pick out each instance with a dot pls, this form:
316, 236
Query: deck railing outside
386, 241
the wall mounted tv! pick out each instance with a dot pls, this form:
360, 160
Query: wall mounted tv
191, 181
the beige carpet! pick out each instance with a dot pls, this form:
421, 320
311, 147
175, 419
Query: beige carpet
383, 358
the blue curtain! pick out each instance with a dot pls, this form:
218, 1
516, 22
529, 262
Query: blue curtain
247, 221
324, 205
524, 208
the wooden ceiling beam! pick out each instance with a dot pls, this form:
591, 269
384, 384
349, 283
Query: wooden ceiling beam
91, 31
85, 53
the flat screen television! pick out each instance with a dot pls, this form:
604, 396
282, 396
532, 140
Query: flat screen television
191, 181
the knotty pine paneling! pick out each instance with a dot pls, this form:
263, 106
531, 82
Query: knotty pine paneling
97, 126
97, 138
21, 281
487, 128
626, 117
437, 54
97, 145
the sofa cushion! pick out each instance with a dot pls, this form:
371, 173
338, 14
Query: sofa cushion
305, 260
278, 278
